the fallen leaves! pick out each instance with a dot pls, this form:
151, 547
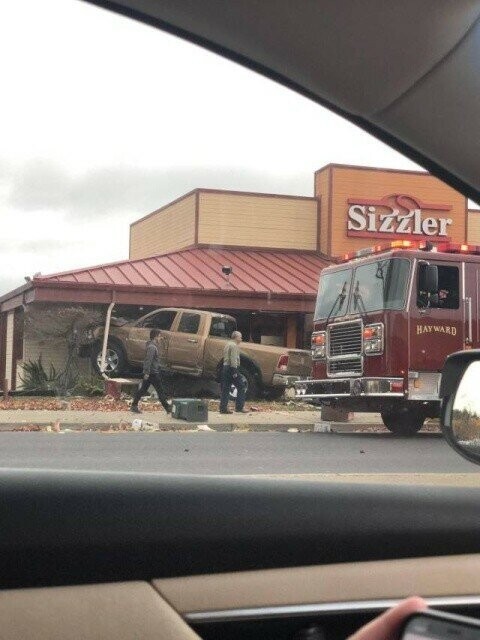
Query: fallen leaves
107, 404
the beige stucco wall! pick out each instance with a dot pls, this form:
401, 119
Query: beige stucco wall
474, 226
53, 352
252, 220
168, 229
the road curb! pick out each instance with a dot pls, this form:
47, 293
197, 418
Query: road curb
318, 429
173, 427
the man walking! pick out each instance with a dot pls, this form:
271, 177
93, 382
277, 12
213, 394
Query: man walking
151, 374
231, 375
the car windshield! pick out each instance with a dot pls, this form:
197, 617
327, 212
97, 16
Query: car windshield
176, 231
333, 294
380, 285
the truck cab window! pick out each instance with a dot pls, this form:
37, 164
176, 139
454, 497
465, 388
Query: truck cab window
162, 320
222, 328
448, 296
189, 323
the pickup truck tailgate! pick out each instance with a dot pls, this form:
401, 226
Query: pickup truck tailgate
299, 362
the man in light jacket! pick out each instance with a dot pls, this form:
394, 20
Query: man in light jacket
231, 375
151, 374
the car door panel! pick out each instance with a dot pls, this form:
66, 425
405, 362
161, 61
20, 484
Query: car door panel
197, 597
103, 611
186, 344
99, 527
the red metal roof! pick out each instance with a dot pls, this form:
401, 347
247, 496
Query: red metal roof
261, 271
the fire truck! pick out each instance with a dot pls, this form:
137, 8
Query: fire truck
386, 318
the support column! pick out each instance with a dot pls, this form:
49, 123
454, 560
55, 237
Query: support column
9, 349
3, 349
291, 331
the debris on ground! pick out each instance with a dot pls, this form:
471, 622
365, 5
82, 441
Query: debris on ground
292, 430
27, 427
137, 424
204, 427
322, 427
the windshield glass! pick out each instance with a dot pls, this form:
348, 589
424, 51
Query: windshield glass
333, 293
153, 190
380, 285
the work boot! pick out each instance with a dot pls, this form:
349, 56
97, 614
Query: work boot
242, 411
134, 409
227, 412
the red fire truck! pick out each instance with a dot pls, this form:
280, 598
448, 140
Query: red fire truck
385, 320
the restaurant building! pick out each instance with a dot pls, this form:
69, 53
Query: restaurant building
256, 256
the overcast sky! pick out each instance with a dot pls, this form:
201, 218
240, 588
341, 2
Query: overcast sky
104, 120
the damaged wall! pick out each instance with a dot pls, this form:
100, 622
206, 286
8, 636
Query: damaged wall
52, 332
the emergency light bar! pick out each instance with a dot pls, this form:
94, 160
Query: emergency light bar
442, 247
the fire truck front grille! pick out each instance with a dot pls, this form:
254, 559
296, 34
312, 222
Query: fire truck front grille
345, 347
346, 367
345, 339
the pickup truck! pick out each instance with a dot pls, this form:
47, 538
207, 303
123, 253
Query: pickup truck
192, 346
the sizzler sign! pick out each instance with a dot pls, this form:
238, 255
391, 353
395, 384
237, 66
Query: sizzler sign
398, 216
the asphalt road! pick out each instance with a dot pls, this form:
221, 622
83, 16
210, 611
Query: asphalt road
232, 453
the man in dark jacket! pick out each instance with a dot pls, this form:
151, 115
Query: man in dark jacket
151, 374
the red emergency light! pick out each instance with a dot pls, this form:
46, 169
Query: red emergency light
442, 247
454, 247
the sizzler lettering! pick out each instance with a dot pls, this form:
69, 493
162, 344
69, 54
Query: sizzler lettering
362, 218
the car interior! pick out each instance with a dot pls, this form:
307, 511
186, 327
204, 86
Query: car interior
127, 555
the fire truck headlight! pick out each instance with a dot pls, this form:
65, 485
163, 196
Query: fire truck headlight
318, 353
319, 349
373, 339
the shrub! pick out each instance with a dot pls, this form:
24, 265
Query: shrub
89, 386
36, 379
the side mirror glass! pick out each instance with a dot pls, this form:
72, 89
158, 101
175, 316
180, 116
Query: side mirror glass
428, 278
461, 403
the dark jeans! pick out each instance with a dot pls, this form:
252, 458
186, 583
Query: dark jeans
229, 377
156, 382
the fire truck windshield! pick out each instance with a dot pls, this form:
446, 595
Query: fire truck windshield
380, 285
333, 294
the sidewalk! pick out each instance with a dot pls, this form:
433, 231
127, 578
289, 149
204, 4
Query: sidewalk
254, 421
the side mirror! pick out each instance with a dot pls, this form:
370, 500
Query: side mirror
428, 278
460, 412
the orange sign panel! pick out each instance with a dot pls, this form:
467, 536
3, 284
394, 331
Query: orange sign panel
360, 206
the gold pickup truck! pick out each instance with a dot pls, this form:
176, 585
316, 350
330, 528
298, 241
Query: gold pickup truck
193, 346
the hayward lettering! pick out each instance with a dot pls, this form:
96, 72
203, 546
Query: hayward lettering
436, 328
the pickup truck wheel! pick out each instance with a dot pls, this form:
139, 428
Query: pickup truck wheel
252, 385
404, 423
115, 359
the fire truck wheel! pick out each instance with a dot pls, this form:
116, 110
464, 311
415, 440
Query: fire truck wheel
404, 423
